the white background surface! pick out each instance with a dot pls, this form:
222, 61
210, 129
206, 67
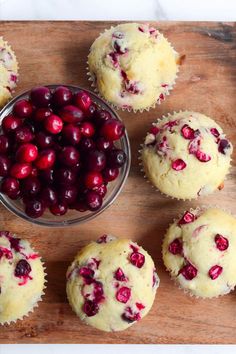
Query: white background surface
217, 10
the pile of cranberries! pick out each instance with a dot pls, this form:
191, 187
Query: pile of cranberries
57, 151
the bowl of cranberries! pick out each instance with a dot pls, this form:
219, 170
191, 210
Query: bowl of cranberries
64, 155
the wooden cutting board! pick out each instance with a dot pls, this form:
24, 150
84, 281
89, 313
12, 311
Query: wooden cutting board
55, 52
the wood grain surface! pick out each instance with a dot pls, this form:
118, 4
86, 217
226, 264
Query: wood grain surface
55, 52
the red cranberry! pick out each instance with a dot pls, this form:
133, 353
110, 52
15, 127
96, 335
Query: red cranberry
44, 140
90, 308
93, 200
178, 165
34, 172
20, 170
23, 109
27, 153
86, 272
103, 144
139, 306
112, 129
24, 135
46, 159
4, 144
188, 271
95, 160
222, 242
86, 144
110, 174
71, 114
68, 194
71, 134
116, 158
223, 146
123, 294
41, 113
101, 116
65, 176
22, 269
201, 156
215, 132
187, 132
154, 130
176, 247
53, 124
186, 218
93, 179
137, 259
61, 96
47, 175
11, 123
31, 186
11, 187
82, 100
119, 275
101, 190
40, 96
87, 129
91, 111
215, 271
5, 164
69, 156
48, 196
58, 209
34, 208
130, 316
80, 206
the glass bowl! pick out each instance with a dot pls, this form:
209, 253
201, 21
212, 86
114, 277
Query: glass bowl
72, 216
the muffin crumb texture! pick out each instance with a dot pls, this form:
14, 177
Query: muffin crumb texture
112, 283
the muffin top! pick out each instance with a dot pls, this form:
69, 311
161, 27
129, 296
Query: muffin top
133, 65
199, 251
186, 155
21, 278
8, 72
112, 283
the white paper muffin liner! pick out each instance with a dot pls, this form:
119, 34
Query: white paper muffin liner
196, 211
31, 310
158, 190
129, 109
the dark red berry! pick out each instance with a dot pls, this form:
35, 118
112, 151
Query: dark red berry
82, 100
87, 129
69, 156
223, 146
11, 187
20, 170
24, 134
61, 96
86, 144
23, 109
93, 200
40, 96
222, 242
123, 294
4, 144
137, 259
186, 218
22, 269
34, 208
71, 114
48, 196
112, 129
116, 158
188, 271
215, 271
95, 160
53, 124
10, 123
93, 179
178, 165
27, 153
101, 190
68, 194
103, 144
41, 113
71, 134
110, 174
31, 186
44, 140
119, 275
90, 308
5, 164
176, 247
46, 159
65, 176
59, 209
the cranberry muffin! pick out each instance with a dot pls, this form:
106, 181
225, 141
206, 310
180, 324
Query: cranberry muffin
112, 283
186, 155
22, 278
199, 252
8, 72
133, 66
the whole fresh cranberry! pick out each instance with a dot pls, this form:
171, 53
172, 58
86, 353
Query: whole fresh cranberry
116, 158
10, 123
47, 175
46, 159
93, 200
79, 205
71, 134
110, 174
59, 209
95, 160
24, 134
44, 140
10, 186
71, 114
31, 186
34, 208
103, 144
91, 111
101, 116
41, 113
90, 308
20, 170
93, 179
82, 100
68, 194
66, 176
23, 109
5, 164
4, 143
112, 129
69, 156
27, 153
48, 196
87, 129
86, 144
61, 96
101, 190
40, 96
53, 124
